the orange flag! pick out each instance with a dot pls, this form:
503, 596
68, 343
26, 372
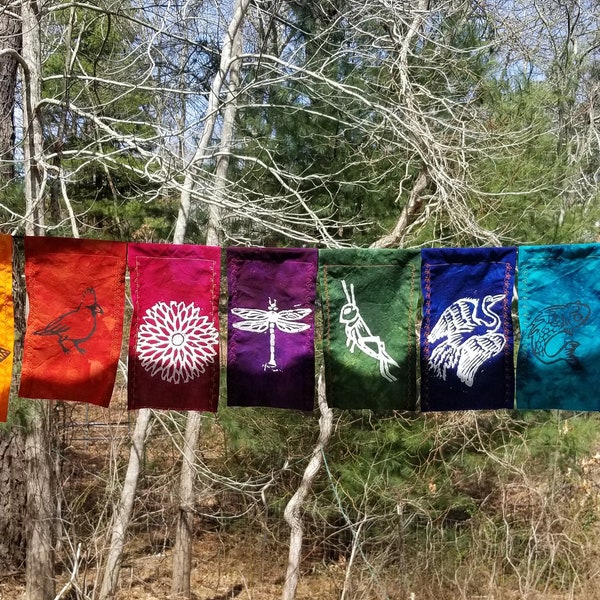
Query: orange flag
7, 323
76, 291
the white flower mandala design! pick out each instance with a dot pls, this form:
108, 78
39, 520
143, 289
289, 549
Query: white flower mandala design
176, 342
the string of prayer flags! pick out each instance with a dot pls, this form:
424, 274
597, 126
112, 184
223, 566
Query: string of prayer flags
467, 334
270, 356
76, 292
558, 363
174, 339
370, 304
7, 323
369, 300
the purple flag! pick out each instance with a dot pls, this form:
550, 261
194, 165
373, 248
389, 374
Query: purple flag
270, 353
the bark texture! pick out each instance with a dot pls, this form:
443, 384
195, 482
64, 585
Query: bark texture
10, 38
182, 549
12, 500
41, 507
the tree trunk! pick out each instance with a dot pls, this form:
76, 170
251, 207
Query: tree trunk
239, 13
12, 499
41, 507
13, 466
10, 37
32, 125
182, 550
122, 515
293, 509
411, 209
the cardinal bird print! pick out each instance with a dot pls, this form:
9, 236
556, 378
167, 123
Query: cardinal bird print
467, 334
260, 321
76, 326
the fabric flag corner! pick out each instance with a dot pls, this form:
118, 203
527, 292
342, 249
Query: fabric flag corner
76, 291
174, 339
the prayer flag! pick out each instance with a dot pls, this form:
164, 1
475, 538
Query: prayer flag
558, 363
75, 324
467, 335
271, 358
174, 340
369, 300
7, 323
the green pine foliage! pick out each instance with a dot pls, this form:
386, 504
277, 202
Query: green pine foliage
530, 178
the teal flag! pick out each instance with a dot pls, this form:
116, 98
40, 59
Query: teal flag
558, 363
369, 299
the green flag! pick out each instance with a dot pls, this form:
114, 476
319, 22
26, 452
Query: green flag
369, 299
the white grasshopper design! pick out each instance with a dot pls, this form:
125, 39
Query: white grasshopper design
359, 335
258, 321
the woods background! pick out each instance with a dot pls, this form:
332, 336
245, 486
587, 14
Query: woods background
271, 122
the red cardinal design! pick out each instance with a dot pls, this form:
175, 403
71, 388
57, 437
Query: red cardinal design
76, 326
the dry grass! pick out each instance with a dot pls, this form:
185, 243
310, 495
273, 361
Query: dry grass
246, 561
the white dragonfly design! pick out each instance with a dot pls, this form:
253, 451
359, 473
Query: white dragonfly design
359, 335
259, 321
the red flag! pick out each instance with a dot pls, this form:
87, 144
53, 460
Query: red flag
174, 341
76, 291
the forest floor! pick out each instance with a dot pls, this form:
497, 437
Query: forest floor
243, 559
221, 570
227, 563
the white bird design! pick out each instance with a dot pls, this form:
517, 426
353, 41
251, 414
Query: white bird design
469, 334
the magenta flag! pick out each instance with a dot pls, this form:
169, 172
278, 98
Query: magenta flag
174, 340
271, 356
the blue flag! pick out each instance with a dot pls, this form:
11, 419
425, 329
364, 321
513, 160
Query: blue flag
558, 364
467, 334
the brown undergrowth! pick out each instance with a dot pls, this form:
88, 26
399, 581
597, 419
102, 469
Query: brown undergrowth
518, 535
